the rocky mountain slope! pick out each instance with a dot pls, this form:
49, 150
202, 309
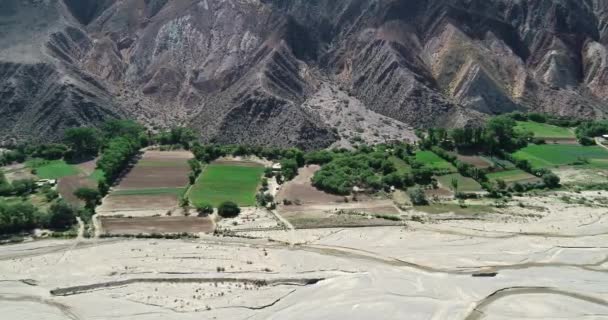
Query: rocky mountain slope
270, 71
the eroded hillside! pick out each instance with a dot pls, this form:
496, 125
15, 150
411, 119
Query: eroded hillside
245, 71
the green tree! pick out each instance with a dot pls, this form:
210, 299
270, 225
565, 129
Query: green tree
84, 142
24, 187
454, 183
229, 209
91, 197
62, 216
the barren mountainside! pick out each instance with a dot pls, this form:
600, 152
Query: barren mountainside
308, 73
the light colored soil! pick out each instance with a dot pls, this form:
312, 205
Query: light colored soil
353, 121
339, 214
545, 259
570, 175
301, 188
150, 225
113, 204
18, 172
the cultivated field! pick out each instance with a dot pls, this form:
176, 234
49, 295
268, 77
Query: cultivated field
152, 187
513, 176
235, 181
477, 161
156, 225
301, 190
464, 184
552, 155
545, 131
54, 169
431, 160
158, 169
401, 166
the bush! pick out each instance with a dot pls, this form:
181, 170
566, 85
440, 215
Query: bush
24, 187
204, 209
229, 209
551, 180
418, 197
62, 216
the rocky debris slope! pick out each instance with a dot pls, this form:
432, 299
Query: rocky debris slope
244, 71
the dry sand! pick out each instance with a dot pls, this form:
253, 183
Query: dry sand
547, 260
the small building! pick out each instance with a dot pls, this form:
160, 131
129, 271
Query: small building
44, 182
276, 167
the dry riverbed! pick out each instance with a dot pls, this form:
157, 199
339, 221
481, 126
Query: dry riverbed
542, 257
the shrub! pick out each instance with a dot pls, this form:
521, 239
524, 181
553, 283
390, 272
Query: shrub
551, 180
229, 209
418, 197
204, 209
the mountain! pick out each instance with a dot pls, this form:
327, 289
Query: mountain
306, 73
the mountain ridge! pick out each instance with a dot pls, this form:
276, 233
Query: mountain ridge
270, 72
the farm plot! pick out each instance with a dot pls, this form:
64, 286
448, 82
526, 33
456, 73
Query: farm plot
158, 169
433, 161
353, 214
513, 176
464, 184
477, 161
54, 169
300, 189
401, 166
156, 225
228, 181
545, 131
152, 187
553, 155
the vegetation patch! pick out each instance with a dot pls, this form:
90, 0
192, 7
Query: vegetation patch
551, 155
52, 169
544, 130
511, 176
222, 182
433, 161
401, 166
464, 184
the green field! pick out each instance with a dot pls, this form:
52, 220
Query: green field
511, 176
543, 130
431, 160
464, 184
220, 182
149, 192
551, 155
54, 169
400, 165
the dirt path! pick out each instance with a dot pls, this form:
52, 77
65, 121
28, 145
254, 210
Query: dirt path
81, 227
599, 143
288, 225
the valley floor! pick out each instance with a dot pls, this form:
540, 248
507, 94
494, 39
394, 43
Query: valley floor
545, 259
